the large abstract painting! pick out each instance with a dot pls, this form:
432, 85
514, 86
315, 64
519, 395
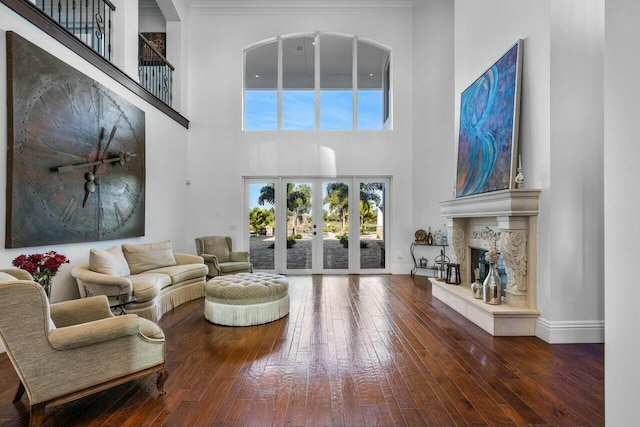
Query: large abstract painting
487, 144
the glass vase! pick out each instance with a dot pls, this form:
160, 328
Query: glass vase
476, 289
45, 282
492, 286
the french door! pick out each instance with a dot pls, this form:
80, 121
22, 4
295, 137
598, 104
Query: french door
309, 225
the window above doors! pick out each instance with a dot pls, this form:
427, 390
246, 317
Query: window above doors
317, 82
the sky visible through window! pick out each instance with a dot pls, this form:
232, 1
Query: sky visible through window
261, 110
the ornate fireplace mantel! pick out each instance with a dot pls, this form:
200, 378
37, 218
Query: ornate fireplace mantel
510, 213
509, 217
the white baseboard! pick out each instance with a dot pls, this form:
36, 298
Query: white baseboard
565, 332
401, 268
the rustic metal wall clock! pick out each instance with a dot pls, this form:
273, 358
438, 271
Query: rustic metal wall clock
76, 154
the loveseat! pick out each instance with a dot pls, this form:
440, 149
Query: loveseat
157, 277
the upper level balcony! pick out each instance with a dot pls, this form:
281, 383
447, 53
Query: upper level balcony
109, 31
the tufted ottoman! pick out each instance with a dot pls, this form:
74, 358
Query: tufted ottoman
246, 299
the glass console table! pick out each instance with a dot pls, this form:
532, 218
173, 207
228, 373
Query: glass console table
435, 268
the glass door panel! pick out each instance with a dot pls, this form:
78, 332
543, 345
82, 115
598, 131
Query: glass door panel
262, 217
371, 227
299, 226
315, 225
335, 225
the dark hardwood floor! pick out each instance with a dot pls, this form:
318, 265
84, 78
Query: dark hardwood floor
354, 351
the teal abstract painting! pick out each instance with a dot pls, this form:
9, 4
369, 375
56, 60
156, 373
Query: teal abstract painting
487, 144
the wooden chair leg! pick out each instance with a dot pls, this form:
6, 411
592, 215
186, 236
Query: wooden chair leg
37, 414
19, 392
162, 377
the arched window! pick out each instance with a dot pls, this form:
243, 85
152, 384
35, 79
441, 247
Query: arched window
317, 81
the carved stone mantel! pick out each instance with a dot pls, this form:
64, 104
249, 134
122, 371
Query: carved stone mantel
510, 216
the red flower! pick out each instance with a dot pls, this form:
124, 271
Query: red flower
41, 266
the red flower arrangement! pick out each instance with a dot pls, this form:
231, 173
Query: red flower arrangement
41, 266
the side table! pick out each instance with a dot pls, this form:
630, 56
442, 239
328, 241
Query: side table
124, 300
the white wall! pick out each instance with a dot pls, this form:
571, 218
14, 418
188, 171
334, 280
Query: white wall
575, 308
561, 128
621, 112
433, 156
221, 153
165, 163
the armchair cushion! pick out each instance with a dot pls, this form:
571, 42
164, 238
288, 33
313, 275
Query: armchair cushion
147, 286
110, 261
150, 330
76, 311
218, 246
5, 277
98, 331
181, 273
234, 267
147, 256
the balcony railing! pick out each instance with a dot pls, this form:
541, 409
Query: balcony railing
155, 72
88, 20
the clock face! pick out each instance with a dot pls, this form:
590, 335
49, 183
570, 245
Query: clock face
77, 164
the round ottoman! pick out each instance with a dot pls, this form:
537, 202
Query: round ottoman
246, 299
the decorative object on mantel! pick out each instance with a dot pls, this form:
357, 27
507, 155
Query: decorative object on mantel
492, 286
520, 175
43, 267
437, 237
476, 287
429, 237
489, 115
421, 237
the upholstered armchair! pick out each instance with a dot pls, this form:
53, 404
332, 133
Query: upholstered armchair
65, 351
220, 258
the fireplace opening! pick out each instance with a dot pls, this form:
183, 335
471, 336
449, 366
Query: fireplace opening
478, 261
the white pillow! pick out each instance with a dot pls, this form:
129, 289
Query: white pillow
110, 261
148, 256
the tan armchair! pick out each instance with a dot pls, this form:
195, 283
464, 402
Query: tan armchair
65, 351
220, 258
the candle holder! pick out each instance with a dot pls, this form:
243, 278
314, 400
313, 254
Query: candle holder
520, 176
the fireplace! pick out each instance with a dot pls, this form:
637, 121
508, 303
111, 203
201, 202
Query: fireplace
508, 220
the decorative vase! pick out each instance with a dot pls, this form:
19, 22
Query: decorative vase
476, 287
492, 286
45, 282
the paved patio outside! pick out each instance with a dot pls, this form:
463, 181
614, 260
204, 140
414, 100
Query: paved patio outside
335, 256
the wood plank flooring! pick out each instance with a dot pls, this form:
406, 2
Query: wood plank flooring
354, 351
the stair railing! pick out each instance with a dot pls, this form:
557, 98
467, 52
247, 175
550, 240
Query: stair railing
88, 20
155, 72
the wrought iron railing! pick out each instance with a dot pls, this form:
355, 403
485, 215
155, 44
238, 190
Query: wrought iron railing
154, 71
89, 20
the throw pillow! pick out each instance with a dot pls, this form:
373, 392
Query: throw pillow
148, 256
110, 261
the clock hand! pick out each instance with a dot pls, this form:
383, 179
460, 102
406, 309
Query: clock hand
89, 186
95, 168
106, 148
122, 158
